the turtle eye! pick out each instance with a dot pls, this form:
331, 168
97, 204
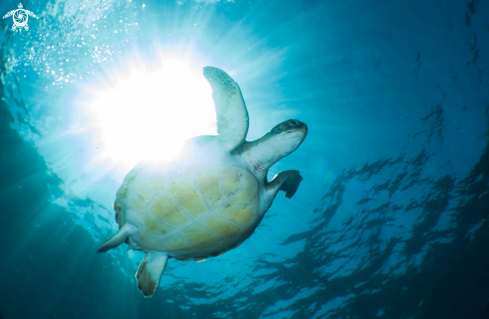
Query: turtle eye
286, 126
278, 129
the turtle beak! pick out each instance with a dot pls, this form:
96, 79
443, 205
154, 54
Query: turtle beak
302, 127
298, 127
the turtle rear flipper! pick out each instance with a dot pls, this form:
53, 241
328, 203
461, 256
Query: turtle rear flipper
121, 236
149, 272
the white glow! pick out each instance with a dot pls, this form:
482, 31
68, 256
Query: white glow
147, 114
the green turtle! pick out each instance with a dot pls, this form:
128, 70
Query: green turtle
211, 198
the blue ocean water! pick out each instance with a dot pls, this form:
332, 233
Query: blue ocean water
390, 220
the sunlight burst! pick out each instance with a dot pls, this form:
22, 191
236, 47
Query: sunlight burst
149, 113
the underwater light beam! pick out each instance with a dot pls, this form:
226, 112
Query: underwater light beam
148, 114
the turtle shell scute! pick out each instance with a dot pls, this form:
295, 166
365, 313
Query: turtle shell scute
210, 212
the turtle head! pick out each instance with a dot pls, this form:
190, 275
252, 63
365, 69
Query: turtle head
282, 140
287, 136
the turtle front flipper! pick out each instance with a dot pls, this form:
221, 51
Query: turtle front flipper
125, 231
287, 181
291, 183
231, 113
149, 272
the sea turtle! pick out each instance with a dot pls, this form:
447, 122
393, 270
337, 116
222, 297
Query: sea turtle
211, 198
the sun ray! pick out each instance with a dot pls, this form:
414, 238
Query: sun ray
147, 114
